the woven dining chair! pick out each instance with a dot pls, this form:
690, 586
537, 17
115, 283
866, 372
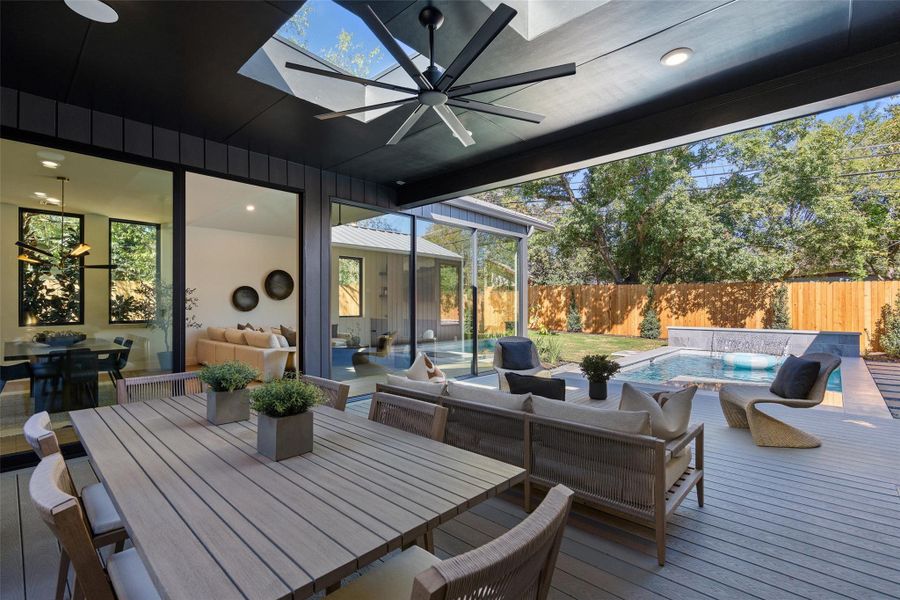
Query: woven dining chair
517, 565
336, 393
103, 521
414, 416
62, 512
154, 387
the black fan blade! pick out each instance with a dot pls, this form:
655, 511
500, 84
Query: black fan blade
34, 249
496, 109
408, 124
99, 267
455, 125
334, 115
344, 77
390, 44
491, 28
512, 80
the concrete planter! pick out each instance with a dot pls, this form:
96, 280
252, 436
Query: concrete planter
284, 437
227, 407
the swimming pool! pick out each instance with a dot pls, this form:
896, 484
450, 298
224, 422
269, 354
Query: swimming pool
706, 366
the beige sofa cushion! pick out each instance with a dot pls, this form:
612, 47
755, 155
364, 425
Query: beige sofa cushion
614, 420
668, 421
216, 334
258, 339
474, 393
234, 336
429, 387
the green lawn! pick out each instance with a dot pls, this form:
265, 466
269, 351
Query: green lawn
576, 345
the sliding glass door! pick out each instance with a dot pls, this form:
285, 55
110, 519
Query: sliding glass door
497, 293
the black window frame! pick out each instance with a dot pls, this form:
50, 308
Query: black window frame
157, 278
359, 260
21, 270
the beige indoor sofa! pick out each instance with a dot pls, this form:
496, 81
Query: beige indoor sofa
266, 352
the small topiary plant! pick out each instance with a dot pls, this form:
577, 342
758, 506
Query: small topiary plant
573, 318
888, 329
781, 309
284, 397
650, 326
599, 367
228, 376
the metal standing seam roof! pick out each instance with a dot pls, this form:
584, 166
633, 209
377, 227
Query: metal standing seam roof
363, 238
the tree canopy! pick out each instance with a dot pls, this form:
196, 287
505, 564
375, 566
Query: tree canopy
805, 197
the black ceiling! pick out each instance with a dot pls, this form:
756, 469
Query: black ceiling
175, 64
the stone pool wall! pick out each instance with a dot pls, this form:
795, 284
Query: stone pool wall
765, 341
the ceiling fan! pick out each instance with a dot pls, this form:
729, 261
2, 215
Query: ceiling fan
437, 89
29, 252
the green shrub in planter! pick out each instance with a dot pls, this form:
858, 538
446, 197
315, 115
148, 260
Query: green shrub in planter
285, 426
597, 369
226, 396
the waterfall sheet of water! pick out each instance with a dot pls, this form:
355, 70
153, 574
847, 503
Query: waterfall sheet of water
756, 343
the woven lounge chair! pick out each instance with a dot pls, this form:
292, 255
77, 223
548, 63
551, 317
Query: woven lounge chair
740, 404
537, 367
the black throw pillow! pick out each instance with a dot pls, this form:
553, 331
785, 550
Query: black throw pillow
795, 378
555, 389
516, 355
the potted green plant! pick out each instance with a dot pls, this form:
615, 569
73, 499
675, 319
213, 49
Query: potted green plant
597, 369
153, 302
227, 399
285, 425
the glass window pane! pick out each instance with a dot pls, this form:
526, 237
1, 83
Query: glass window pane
497, 293
134, 249
350, 286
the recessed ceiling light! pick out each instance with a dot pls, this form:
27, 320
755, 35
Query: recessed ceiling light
40, 194
250, 208
675, 57
55, 201
50, 164
47, 155
94, 10
400, 182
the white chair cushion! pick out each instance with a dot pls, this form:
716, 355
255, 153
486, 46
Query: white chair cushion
474, 393
101, 513
423, 369
429, 387
614, 420
668, 421
129, 577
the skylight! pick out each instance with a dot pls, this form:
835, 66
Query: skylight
325, 35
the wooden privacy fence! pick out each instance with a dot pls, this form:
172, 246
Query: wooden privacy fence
618, 309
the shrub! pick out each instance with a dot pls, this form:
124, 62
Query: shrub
229, 376
650, 326
549, 346
781, 309
888, 329
599, 367
573, 319
284, 397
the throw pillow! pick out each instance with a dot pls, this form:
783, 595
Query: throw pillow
423, 369
614, 420
290, 335
668, 420
517, 355
796, 377
474, 393
234, 336
217, 334
282, 341
260, 339
435, 388
539, 386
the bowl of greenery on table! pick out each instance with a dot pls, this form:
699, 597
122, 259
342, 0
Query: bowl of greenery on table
597, 369
227, 398
284, 426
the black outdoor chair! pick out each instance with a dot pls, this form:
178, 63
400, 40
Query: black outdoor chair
47, 380
20, 370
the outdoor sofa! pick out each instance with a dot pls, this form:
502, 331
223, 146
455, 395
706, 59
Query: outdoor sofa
637, 477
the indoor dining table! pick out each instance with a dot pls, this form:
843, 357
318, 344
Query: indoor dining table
212, 518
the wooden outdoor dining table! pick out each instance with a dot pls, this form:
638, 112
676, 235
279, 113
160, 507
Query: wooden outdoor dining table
212, 518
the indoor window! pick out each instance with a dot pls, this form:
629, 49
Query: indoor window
350, 286
134, 249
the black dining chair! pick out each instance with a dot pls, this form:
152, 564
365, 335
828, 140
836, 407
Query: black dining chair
113, 363
80, 376
19, 370
47, 380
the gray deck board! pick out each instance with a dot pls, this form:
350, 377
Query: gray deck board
777, 523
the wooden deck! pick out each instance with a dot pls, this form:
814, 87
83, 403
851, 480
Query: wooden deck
821, 523
887, 378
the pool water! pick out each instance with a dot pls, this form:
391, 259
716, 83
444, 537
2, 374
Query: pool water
706, 366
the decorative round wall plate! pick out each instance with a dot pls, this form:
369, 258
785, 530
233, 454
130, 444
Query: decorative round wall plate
245, 298
279, 284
